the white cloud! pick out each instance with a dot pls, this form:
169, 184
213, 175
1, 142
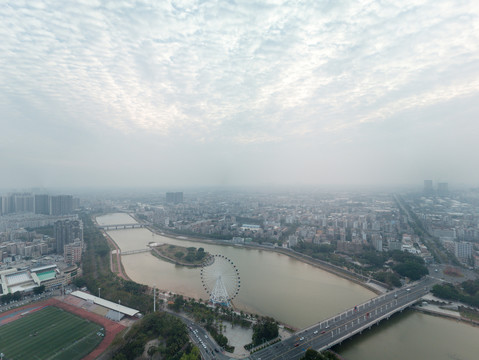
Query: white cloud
245, 72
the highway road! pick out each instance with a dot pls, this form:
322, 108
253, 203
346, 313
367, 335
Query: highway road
209, 349
341, 326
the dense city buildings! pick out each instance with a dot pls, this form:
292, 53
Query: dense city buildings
346, 225
20, 203
350, 223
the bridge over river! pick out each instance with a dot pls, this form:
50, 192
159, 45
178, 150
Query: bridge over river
340, 327
121, 226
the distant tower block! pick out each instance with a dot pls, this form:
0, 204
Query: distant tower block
428, 189
174, 197
442, 189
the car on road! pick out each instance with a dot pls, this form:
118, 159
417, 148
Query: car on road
323, 332
315, 332
296, 345
301, 338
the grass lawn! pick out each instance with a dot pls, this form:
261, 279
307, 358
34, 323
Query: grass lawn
50, 333
473, 315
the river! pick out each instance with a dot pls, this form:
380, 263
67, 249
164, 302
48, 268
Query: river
297, 294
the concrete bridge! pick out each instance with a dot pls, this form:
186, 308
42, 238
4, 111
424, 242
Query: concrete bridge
130, 252
346, 324
121, 226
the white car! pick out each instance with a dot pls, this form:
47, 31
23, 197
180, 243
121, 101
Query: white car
315, 332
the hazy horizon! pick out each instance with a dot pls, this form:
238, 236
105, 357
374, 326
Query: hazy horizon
181, 94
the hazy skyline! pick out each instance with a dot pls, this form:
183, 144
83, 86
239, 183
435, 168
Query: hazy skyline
191, 93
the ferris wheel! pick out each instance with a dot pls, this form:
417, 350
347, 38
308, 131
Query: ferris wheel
220, 279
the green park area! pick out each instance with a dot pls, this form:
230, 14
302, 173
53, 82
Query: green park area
182, 255
50, 333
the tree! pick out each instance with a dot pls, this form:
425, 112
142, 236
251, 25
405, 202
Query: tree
264, 330
200, 254
17, 295
39, 289
193, 355
412, 270
311, 354
178, 303
120, 356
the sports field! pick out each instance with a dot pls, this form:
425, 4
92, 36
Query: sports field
50, 333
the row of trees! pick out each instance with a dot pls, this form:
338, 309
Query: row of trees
17, 295
97, 273
374, 262
467, 292
5, 299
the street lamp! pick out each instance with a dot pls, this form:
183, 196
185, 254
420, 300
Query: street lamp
99, 292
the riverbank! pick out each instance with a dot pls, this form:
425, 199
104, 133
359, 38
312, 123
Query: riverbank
373, 286
377, 288
439, 307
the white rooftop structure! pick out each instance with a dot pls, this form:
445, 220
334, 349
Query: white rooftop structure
13, 281
41, 268
106, 303
18, 278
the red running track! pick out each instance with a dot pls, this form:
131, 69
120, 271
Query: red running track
111, 328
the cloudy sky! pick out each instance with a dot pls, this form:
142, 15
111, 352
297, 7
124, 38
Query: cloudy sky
178, 93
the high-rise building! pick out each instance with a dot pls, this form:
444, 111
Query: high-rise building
72, 252
9, 204
463, 250
76, 203
42, 204
174, 197
67, 232
377, 242
428, 189
61, 205
21, 202
443, 189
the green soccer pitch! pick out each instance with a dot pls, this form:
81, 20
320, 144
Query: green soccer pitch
49, 333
